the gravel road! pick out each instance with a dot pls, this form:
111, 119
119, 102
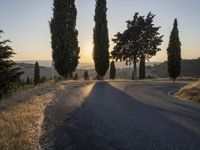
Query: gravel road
130, 116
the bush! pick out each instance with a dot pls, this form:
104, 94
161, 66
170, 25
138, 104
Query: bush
75, 77
43, 79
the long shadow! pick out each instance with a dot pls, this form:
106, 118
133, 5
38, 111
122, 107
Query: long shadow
110, 119
183, 106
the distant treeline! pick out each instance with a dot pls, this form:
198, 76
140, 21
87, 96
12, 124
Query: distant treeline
190, 68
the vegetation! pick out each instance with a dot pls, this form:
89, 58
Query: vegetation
139, 41
86, 75
43, 79
190, 92
28, 82
112, 70
37, 74
9, 72
101, 40
142, 73
64, 37
174, 53
76, 76
21, 118
189, 68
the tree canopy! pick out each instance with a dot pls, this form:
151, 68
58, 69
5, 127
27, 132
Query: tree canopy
141, 38
64, 37
9, 72
36, 73
174, 53
101, 39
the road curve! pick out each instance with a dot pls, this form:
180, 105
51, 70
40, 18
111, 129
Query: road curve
139, 116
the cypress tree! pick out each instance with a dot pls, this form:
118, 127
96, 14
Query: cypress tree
76, 76
36, 74
174, 53
101, 40
28, 82
86, 75
112, 70
142, 73
64, 37
9, 72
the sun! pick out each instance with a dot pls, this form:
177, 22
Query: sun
89, 47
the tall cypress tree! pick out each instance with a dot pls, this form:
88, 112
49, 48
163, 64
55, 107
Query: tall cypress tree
101, 39
112, 70
37, 73
64, 37
9, 72
174, 53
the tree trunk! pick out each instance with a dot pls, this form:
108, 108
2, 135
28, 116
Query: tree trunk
174, 80
134, 74
69, 76
142, 67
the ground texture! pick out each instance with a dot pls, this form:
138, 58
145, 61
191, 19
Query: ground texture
121, 116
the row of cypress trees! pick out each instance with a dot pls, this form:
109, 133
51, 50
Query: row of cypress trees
138, 43
64, 37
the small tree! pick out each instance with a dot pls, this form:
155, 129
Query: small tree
28, 82
36, 74
101, 40
76, 76
86, 75
43, 79
9, 72
112, 70
174, 53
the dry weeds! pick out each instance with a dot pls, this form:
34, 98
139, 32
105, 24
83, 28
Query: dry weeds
190, 92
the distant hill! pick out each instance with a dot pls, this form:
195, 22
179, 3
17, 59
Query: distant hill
28, 70
190, 68
48, 63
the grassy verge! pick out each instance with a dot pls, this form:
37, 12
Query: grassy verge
21, 118
190, 92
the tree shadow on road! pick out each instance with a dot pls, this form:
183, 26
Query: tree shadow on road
111, 119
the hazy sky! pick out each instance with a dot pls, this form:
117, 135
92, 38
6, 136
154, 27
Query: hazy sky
25, 23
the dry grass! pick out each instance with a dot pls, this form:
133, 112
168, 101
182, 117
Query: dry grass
21, 118
190, 92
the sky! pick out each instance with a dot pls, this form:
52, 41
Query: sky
25, 23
